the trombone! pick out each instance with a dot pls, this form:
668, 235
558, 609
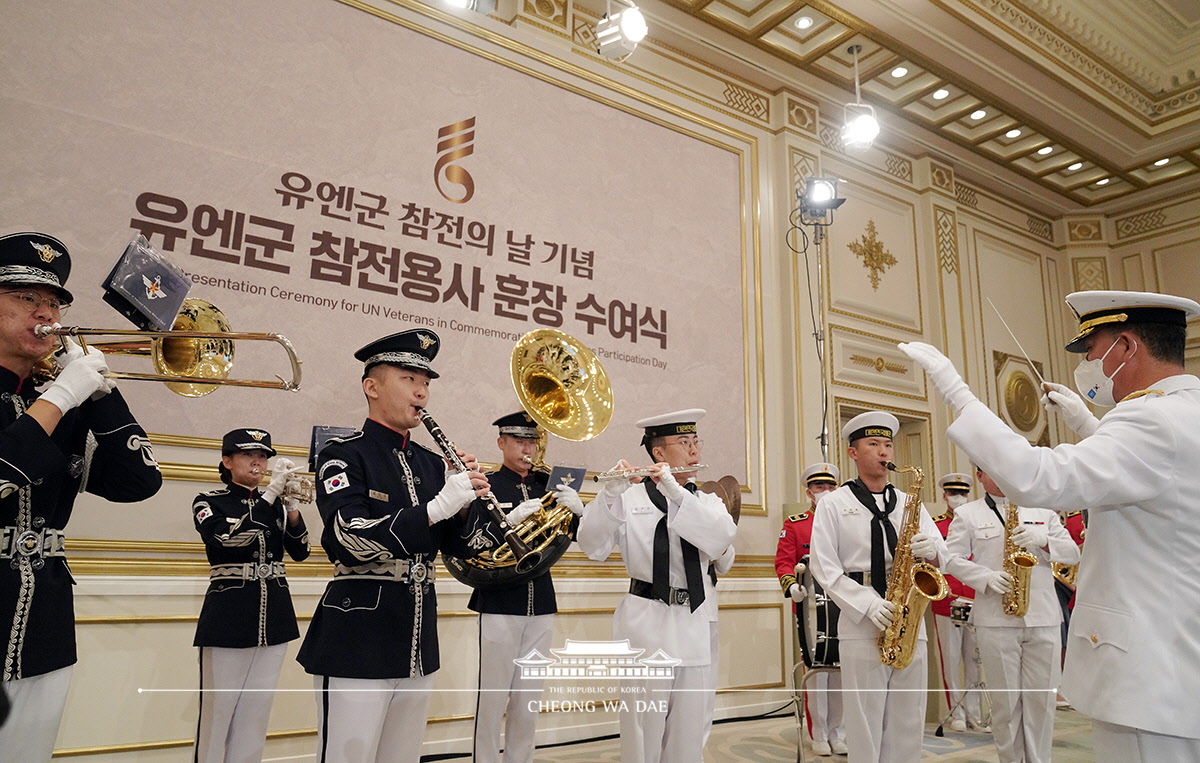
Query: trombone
193, 358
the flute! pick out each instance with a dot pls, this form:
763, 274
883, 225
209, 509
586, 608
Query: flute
645, 471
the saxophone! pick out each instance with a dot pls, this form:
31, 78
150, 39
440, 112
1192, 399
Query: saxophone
911, 584
1017, 562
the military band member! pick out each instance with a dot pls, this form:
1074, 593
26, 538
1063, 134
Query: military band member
1020, 654
668, 533
956, 641
77, 434
1133, 655
853, 540
825, 708
247, 618
388, 508
518, 619
1064, 581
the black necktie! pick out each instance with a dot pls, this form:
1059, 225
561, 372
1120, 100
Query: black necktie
660, 586
882, 530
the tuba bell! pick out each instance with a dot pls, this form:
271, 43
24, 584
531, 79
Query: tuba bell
564, 389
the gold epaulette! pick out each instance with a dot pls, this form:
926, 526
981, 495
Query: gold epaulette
1073, 514
940, 517
1142, 393
799, 517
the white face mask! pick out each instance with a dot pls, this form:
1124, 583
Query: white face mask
954, 501
1093, 384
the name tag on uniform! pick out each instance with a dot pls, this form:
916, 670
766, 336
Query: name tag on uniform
644, 510
508, 505
378, 496
851, 508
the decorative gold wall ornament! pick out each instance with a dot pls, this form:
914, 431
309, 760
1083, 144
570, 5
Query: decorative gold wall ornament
879, 364
1091, 273
898, 166
748, 102
1022, 401
875, 257
802, 116
1141, 223
945, 224
966, 196
1039, 227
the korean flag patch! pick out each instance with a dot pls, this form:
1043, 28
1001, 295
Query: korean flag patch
203, 514
336, 483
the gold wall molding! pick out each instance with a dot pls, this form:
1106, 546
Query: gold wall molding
1040, 227
942, 176
748, 102
1085, 231
898, 166
945, 227
1143, 222
966, 196
1090, 273
551, 12
801, 115
879, 364
875, 257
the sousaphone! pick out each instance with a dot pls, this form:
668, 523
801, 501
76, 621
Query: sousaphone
564, 389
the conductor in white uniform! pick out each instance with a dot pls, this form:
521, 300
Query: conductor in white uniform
1133, 651
668, 534
854, 537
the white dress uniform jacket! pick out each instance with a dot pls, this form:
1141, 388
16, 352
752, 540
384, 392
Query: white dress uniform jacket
1133, 652
841, 543
976, 543
629, 522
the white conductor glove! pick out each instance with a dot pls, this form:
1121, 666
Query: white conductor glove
82, 378
880, 612
668, 486
280, 475
611, 489
1031, 536
1063, 401
941, 372
796, 593
565, 495
64, 357
999, 582
456, 494
522, 511
923, 546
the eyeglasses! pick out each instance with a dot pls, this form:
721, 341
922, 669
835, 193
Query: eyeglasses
33, 301
690, 442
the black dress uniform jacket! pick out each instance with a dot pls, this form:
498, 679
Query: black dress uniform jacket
536, 595
97, 447
251, 606
377, 618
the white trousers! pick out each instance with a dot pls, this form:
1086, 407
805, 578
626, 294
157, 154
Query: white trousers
371, 720
957, 645
823, 705
237, 687
1023, 670
884, 707
663, 721
37, 707
504, 696
710, 680
1124, 744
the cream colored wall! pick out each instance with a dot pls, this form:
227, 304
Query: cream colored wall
954, 246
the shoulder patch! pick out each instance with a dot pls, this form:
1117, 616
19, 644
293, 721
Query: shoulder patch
799, 517
1073, 514
336, 483
940, 517
204, 512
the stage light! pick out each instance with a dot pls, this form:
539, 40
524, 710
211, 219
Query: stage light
899, 72
618, 34
804, 22
860, 127
940, 94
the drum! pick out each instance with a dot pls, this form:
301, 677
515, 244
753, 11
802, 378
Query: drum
817, 620
960, 612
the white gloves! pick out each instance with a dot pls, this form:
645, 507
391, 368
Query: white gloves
81, 377
796, 593
522, 511
667, 485
280, 476
611, 489
945, 378
1031, 536
880, 612
1063, 401
999, 582
456, 494
923, 546
565, 495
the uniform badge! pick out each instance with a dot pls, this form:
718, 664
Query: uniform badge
783, 533
154, 288
425, 341
75, 467
257, 435
378, 496
46, 252
478, 540
336, 483
203, 514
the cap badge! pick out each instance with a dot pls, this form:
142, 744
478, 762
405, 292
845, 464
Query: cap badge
257, 435
425, 341
46, 252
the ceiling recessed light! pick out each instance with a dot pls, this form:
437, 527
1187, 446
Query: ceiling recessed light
1045, 150
899, 72
1013, 134
1075, 166
977, 115
940, 94
1161, 162
804, 22
1102, 182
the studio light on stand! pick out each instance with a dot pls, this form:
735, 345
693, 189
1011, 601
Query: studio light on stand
618, 34
860, 127
817, 204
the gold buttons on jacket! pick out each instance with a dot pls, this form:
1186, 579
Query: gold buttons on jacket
1094, 638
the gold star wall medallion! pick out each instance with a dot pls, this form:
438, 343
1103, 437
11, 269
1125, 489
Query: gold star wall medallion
875, 258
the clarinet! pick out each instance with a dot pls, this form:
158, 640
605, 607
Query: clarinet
527, 558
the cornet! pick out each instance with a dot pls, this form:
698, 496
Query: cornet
645, 471
302, 489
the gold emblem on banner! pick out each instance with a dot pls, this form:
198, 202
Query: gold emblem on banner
455, 141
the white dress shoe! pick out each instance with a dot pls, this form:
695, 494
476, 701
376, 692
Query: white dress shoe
822, 747
839, 747
958, 724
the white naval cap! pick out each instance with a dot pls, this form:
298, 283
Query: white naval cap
821, 472
1098, 308
955, 481
676, 422
870, 424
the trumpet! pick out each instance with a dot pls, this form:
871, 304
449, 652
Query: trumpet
192, 359
645, 471
302, 489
